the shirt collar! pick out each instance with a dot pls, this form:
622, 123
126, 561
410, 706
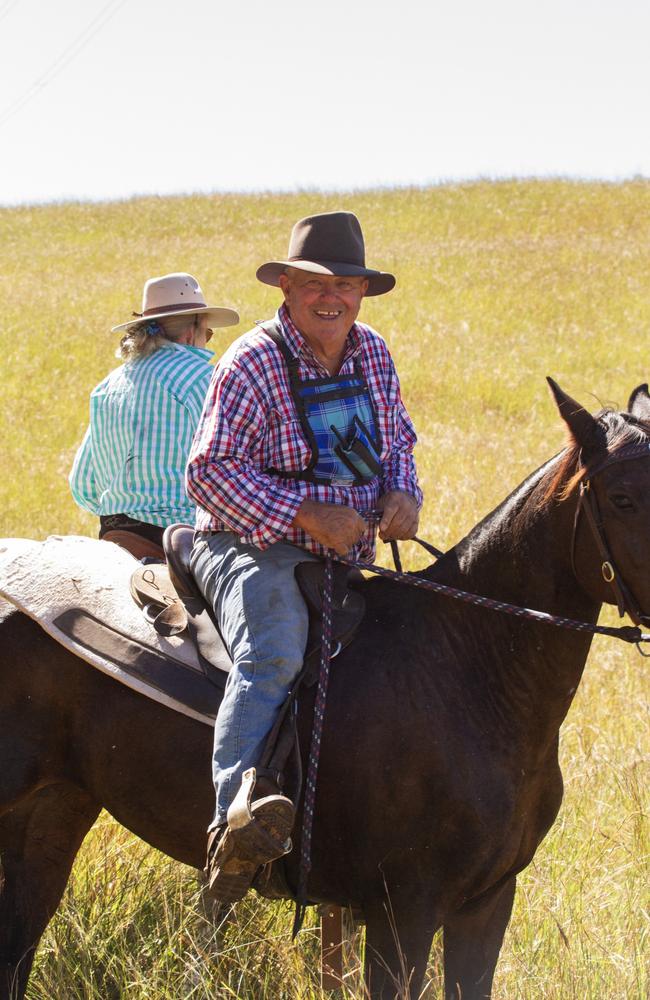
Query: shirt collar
299, 346
202, 352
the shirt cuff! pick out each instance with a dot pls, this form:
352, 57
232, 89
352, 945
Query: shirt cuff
402, 476
282, 507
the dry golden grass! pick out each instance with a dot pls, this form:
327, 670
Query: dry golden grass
498, 286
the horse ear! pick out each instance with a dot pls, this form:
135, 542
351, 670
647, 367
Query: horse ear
639, 402
581, 424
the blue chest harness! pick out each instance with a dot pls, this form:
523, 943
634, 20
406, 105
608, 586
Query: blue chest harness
338, 419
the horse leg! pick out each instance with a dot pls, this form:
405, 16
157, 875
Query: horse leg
472, 941
399, 932
39, 839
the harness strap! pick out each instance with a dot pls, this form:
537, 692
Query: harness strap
311, 473
588, 502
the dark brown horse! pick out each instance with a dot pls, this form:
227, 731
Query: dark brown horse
439, 773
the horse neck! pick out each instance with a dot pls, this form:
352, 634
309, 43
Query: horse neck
521, 554
523, 549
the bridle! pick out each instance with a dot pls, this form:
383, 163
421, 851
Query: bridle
588, 503
624, 598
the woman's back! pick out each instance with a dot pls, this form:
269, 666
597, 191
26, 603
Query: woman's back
130, 467
142, 419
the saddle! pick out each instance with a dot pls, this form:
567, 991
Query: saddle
171, 601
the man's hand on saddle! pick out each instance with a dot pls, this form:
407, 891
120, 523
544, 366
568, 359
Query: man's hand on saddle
333, 525
400, 517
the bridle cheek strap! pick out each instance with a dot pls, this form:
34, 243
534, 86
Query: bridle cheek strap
588, 502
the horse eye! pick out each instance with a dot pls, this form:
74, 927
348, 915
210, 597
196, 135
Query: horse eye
622, 501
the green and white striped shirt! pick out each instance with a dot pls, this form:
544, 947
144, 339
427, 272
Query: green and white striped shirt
142, 421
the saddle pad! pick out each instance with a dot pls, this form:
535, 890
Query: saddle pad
77, 589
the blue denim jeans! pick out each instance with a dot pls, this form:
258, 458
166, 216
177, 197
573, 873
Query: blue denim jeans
264, 621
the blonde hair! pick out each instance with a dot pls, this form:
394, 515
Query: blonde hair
150, 335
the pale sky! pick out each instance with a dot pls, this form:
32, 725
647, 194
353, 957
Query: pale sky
111, 98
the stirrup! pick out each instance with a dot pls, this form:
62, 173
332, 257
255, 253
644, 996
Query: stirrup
257, 833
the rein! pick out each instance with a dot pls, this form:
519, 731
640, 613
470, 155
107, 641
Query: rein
625, 601
628, 633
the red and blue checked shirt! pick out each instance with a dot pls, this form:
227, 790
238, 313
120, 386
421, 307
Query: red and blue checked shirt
250, 424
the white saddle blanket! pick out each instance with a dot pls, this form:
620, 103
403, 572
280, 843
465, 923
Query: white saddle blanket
46, 579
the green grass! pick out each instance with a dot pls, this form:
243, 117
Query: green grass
498, 286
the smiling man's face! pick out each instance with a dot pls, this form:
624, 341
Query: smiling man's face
323, 307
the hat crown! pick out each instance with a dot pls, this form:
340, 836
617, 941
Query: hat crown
177, 291
329, 243
332, 236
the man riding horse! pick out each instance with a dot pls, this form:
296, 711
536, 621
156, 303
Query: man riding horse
303, 430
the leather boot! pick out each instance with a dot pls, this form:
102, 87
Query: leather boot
258, 831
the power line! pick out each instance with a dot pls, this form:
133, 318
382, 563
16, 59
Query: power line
63, 60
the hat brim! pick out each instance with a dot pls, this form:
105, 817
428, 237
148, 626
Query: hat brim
218, 316
379, 282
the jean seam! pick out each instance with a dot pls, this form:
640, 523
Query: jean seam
242, 699
232, 753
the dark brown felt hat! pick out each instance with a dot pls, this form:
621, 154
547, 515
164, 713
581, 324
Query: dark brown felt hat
331, 243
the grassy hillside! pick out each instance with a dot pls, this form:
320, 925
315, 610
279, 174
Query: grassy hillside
498, 286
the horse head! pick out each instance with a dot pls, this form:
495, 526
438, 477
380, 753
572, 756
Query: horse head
608, 463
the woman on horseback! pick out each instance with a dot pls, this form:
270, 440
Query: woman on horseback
130, 466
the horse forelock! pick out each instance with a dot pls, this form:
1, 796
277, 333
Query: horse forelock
619, 430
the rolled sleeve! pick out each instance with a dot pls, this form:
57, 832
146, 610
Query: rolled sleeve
399, 471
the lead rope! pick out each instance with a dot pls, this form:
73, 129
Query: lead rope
314, 749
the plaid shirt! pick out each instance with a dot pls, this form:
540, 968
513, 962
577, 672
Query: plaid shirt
250, 424
143, 416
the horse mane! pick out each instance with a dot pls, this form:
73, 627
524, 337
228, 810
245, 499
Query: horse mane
619, 429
